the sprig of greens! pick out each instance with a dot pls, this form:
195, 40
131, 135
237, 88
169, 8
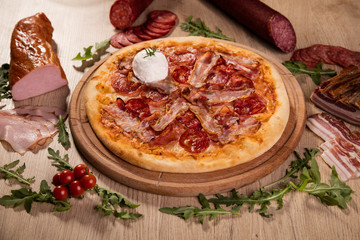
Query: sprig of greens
297, 67
4, 81
111, 201
63, 137
303, 176
16, 174
88, 54
186, 212
150, 51
61, 163
199, 28
27, 197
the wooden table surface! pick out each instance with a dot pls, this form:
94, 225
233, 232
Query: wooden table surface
80, 23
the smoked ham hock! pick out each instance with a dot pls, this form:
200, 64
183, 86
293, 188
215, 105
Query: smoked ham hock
34, 66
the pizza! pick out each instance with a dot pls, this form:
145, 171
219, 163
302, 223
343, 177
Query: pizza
186, 105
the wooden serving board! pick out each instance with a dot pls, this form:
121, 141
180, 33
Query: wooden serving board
180, 184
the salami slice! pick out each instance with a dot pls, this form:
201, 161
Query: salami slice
334, 55
163, 17
131, 36
123, 13
139, 33
160, 31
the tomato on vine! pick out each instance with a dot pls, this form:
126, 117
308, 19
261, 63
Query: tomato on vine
66, 177
76, 188
88, 181
61, 192
80, 170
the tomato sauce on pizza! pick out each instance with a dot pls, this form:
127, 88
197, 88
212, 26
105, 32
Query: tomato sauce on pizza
219, 106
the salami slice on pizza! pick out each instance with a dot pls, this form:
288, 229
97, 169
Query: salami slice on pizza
187, 105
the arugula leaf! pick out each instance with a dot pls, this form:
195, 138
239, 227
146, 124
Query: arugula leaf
111, 201
16, 173
335, 194
27, 197
89, 54
297, 67
199, 28
4, 81
150, 51
63, 136
59, 162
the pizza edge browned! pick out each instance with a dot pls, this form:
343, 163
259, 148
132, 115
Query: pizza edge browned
229, 155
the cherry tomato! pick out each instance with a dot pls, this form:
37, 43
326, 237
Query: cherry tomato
76, 188
66, 177
80, 170
88, 181
61, 192
56, 179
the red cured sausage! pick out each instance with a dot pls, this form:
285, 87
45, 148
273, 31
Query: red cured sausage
123, 13
262, 20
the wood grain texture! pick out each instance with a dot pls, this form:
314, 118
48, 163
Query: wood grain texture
177, 184
82, 23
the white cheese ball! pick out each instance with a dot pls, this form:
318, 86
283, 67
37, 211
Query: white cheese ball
152, 68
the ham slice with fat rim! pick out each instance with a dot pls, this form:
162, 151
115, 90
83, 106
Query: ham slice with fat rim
34, 66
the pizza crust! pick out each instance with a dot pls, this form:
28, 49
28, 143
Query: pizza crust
176, 159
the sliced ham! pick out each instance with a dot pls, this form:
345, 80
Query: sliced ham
25, 128
34, 66
341, 147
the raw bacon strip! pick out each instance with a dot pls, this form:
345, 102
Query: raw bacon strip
328, 127
34, 66
201, 69
128, 123
341, 147
177, 108
340, 95
206, 120
245, 125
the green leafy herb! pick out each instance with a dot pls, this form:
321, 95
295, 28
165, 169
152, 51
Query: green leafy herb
59, 162
88, 54
187, 211
298, 67
16, 173
4, 81
199, 28
150, 52
111, 201
27, 197
303, 175
63, 136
